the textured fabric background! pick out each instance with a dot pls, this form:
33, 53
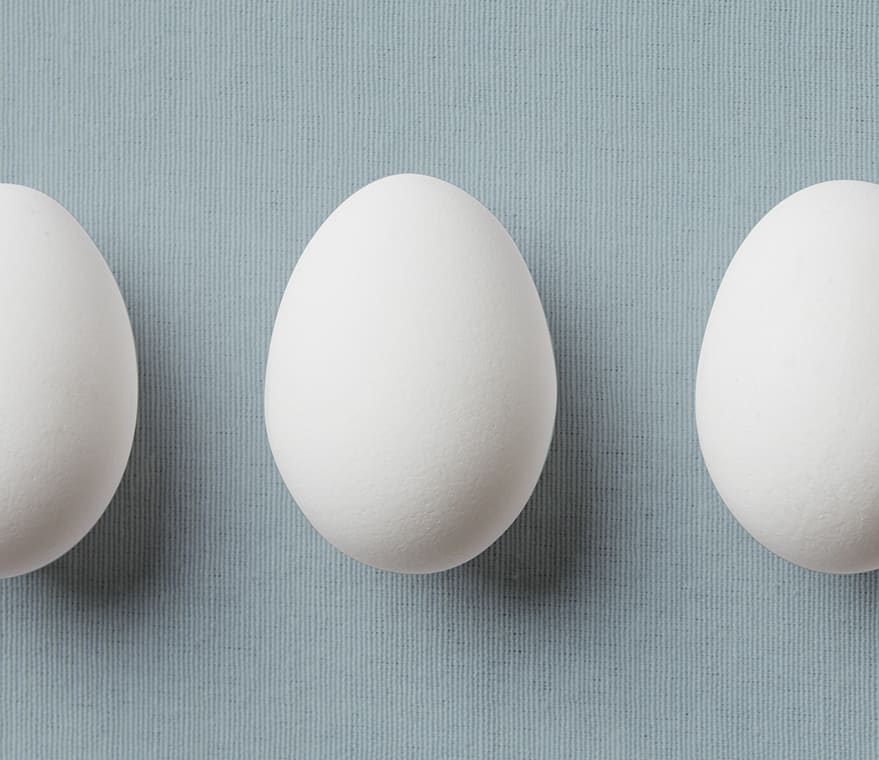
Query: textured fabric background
628, 147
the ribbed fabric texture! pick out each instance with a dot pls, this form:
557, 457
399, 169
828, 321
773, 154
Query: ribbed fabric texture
628, 148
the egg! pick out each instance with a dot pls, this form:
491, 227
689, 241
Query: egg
410, 389
68, 389
787, 388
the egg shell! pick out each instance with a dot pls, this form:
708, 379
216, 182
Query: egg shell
410, 387
68, 386
787, 389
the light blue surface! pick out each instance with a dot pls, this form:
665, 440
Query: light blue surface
628, 147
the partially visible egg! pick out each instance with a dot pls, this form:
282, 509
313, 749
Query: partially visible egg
68, 385
410, 389
787, 389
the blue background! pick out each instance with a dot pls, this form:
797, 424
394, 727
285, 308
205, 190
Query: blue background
628, 147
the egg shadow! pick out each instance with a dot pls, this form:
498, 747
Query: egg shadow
538, 554
558, 533
120, 561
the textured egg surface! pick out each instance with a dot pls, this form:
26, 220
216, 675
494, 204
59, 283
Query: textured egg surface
410, 386
787, 390
68, 386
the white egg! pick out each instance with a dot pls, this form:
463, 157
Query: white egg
68, 389
410, 389
787, 391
